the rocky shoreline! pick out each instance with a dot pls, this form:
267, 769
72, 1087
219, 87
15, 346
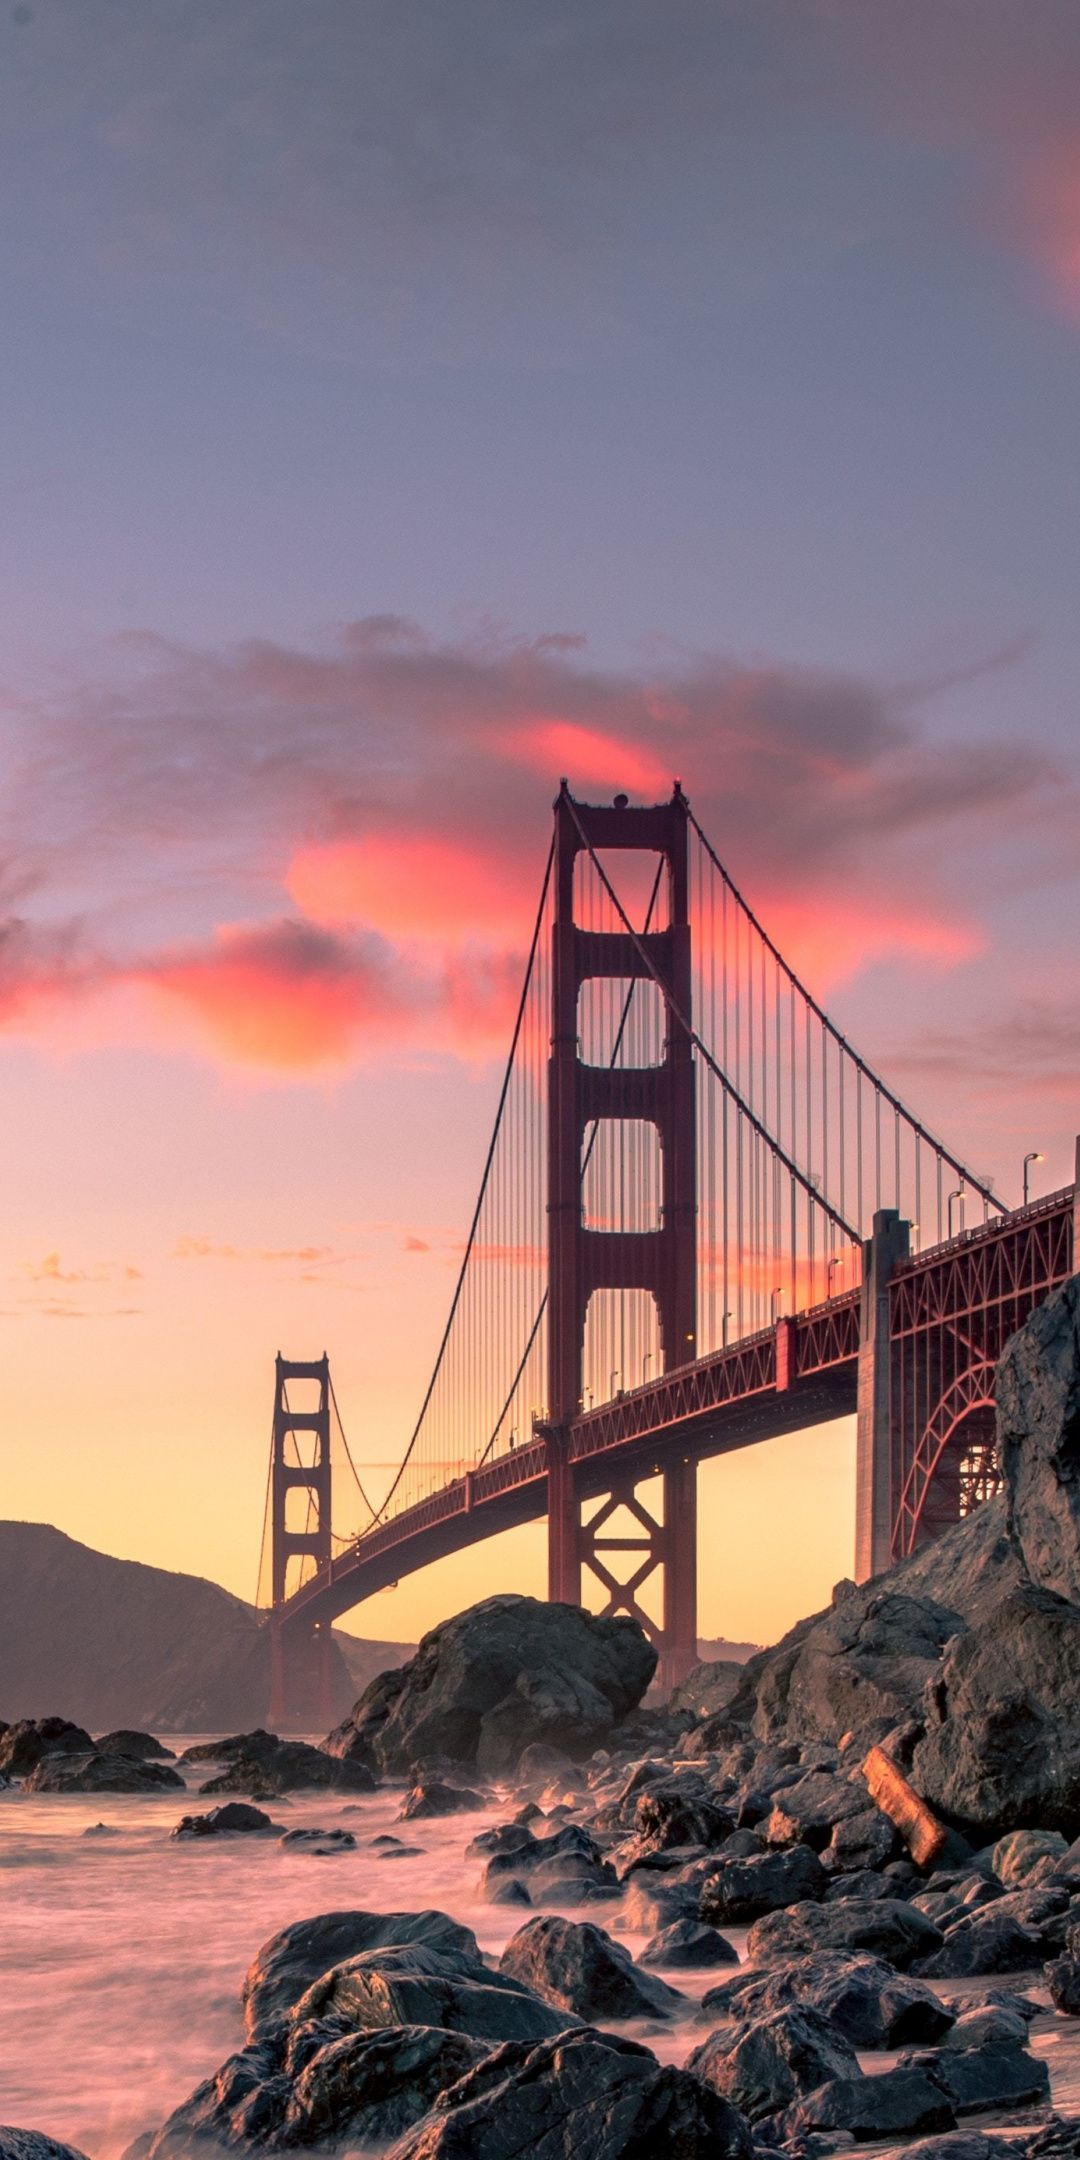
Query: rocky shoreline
857, 1867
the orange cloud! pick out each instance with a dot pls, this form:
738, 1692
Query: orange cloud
285, 996
588, 757
410, 885
827, 941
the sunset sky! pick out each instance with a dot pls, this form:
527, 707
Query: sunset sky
405, 405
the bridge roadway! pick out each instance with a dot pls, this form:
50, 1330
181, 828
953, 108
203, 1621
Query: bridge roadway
795, 1375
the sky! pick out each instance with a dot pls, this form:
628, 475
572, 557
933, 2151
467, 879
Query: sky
405, 406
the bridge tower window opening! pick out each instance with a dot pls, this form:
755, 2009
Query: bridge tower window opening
621, 1022
622, 1178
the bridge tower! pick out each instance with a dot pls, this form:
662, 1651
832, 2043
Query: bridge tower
581, 1260
301, 1692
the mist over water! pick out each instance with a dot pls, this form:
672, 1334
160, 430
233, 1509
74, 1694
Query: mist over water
122, 1956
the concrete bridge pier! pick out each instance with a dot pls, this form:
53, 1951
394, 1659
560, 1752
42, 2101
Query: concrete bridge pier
889, 1243
619, 1525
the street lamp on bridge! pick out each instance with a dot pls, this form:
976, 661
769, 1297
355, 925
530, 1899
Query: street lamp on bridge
1034, 1156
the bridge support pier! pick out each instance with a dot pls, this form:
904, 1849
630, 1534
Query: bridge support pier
595, 1541
301, 1677
301, 1690
889, 1244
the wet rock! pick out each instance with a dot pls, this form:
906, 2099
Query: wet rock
34, 2145
70, 1773
575, 1966
1063, 1981
232, 1818
676, 1814
985, 1942
655, 1902
868, 1658
863, 1841
566, 1867
141, 1745
508, 1890
885, 1927
865, 2000
25, 1743
988, 2022
504, 1838
805, 1813
583, 2094
904, 2102
961, 2145
990, 2076
286, 1766
325, 1842
539, 1765
708, 1688
507, 1672
861, 1883
767, 2065
253, 1744
689, 1945
1002, 1746
433, 1798
740, 1890
370, 2086
1026, 1853
409, 1984
1038, 1435
285, 1966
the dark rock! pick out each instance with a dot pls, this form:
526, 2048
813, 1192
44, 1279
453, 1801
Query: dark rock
655, 1902
506, 1837
285, 1966
252, 1744
1038, 1436
861, 1883
1026, 1855
509, 1671
231, 1817
962, 2145
585, 2095
869, 1657
866, 1840
986, 2022
897, 2103
576, 1967
287, 1766
370, 2086
985, 1942
141, 1745
689, 1945
566, 1867
24, 1744
991, 2076
540, 1765
865, 2000
508, 1890
1057, 2140
806, 1812
409, 1984
1002, 1747
708, 1688
434, 1798
1063, 1981
675, 1814
69, 1773
329, 1841
767, 2065
885, 1927
34, 2145
740, 1890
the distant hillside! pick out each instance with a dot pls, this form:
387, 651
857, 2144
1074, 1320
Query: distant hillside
711, 1648
111, 1642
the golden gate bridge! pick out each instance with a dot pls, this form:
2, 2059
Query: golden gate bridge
703, 1221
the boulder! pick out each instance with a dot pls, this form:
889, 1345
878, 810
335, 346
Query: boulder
431, 1797
24, 1744
865, 2000
509, 1671
323, 1842
1038, 1437
584, 2094
679, 1813
232, 1818
1063, 1981
886, 1927
285, 1966
807, 1812
740, 1890
368, 2087
1026, 1854
141, 1745
708, 1688
1002, 1746
991, 2076
70, 1773
286, 1766
34, 2145
410, 1984
764, 2066
983, 1942
690, 1946
904, 2102
576, 1967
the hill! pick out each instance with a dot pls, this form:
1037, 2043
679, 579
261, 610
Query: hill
112, 1642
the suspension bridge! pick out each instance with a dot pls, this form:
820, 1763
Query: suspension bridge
703, 1221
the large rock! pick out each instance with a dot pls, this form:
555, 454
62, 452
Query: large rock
886, 1927
141, 1745
485, 1684
70, 1773
263, 1766
739, 1890
575, 1966
408, 1984
285, 1966
1038, 1434
33, 2145
904, 2102
767, 2065
865, 2000
27, 1742
1002, 1747
585, 2095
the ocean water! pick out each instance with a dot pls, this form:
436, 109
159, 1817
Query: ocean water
122, 1954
